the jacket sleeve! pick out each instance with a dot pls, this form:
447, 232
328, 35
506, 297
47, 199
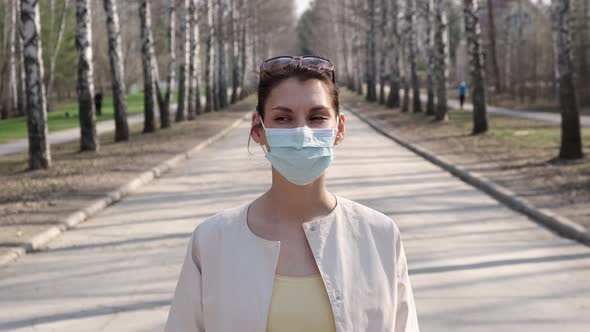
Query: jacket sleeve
186, 310
406, 319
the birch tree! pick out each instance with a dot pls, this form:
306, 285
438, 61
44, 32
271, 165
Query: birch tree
21, 72
85, 83
164, 102
210, 54
357, 49
221, 74
56, 50
383, 51
193, 94
441, 49
117, 71
393, 99
426, 9
243, 54
571, 140
345, 36
215, 59
145, 14
233, 46
183, 86
39, 151
411, 35
10, 102
492, 47
405, 69
478, 92
371, 53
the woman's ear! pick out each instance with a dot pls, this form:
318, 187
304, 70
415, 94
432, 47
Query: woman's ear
255, 131
341, 129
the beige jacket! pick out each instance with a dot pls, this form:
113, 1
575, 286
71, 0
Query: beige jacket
226, 280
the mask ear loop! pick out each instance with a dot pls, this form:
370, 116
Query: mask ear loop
262, 144
337, 123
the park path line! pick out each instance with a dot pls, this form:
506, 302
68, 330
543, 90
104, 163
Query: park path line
40, 240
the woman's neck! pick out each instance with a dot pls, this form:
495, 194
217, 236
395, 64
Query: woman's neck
291, 202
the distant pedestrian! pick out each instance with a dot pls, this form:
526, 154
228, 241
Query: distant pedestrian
298, 257
98, 103
462, 93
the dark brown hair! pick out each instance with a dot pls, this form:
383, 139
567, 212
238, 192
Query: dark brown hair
295, 70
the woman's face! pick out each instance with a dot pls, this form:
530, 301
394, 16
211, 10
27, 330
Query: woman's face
294, 103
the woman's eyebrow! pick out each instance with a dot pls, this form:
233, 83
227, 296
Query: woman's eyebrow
282, 108
287, 109
318, 108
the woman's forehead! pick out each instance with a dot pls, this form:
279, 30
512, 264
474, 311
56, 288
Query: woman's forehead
299, 95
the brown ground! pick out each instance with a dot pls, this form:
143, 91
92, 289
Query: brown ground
31, 202
516, 153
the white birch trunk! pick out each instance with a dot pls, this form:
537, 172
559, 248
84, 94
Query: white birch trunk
55, 53
117, 71
371, 53
39, 151
243, 46
233, 46
171, 77
393, 99
441, 51
428, 17
210, 53
478, 92
571, 140
356, 51
183, 85
85, 85
383, 52
22, 81
145, 14
221, 73
10, 106
344, 34
194, 37
411, 35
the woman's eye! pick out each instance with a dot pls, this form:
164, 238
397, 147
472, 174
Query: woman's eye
281, 118
319, 118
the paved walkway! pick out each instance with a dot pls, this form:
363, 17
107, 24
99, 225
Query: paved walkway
474, 264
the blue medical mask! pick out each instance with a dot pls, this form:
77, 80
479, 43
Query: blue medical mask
301, 154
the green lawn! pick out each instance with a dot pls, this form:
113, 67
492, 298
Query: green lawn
16, 128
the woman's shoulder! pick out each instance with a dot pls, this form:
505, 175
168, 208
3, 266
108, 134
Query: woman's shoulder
358, 212
220, 221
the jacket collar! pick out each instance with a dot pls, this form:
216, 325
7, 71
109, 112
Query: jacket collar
308, 226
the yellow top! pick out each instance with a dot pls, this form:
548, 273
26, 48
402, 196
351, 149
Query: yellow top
300, 304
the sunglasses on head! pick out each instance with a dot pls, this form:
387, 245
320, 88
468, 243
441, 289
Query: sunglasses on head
310, 61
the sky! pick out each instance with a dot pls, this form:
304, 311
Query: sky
301, 6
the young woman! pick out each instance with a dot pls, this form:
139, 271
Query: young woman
297, 258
